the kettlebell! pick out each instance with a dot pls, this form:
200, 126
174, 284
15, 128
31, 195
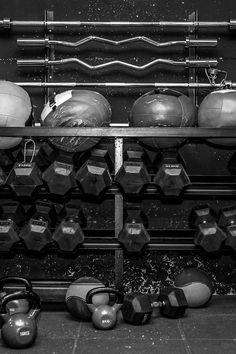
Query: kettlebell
18, 305
104, 316
19, 330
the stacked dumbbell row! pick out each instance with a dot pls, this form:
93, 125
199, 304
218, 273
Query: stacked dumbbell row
214, 230
58, 171
34, 228
61, 172
42, 226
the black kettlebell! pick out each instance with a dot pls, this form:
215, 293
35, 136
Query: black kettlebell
18, 305
19, 330
104, 316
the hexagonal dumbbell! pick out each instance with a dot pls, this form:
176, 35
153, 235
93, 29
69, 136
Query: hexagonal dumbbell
45, 155
134, 235
7, 158
94, 176
69, 234
25, 176
60, 175
171, 176
133, 175
3, 177
36, 233
12, 217
137, 308
227, 221
208, 235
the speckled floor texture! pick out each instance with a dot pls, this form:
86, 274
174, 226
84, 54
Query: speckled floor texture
207, 330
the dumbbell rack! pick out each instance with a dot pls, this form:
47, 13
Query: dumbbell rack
118, 134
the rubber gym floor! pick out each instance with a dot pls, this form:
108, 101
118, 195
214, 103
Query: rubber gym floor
207, 330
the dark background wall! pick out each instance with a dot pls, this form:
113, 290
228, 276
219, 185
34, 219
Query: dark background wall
147, 271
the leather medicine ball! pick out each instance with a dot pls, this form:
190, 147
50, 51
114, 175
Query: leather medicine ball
15, 110
76, 297
218, 110
163, 108
76, 108
197, 286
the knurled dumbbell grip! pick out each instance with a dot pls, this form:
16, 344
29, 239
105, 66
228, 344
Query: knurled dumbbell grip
155, 304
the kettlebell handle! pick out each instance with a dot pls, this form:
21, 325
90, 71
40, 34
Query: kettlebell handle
102, 290
29, 295
24, 281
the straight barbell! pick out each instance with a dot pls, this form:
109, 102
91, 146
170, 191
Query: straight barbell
7, 23
190, 85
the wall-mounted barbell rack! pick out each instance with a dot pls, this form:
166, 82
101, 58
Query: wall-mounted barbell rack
118, 134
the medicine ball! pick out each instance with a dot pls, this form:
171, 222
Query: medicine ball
76, 297
15, 109
76, 108
218, 110
197, 286
163, 108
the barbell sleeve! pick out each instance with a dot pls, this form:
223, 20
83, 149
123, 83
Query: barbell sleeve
34, 42
34, 62
201, 42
